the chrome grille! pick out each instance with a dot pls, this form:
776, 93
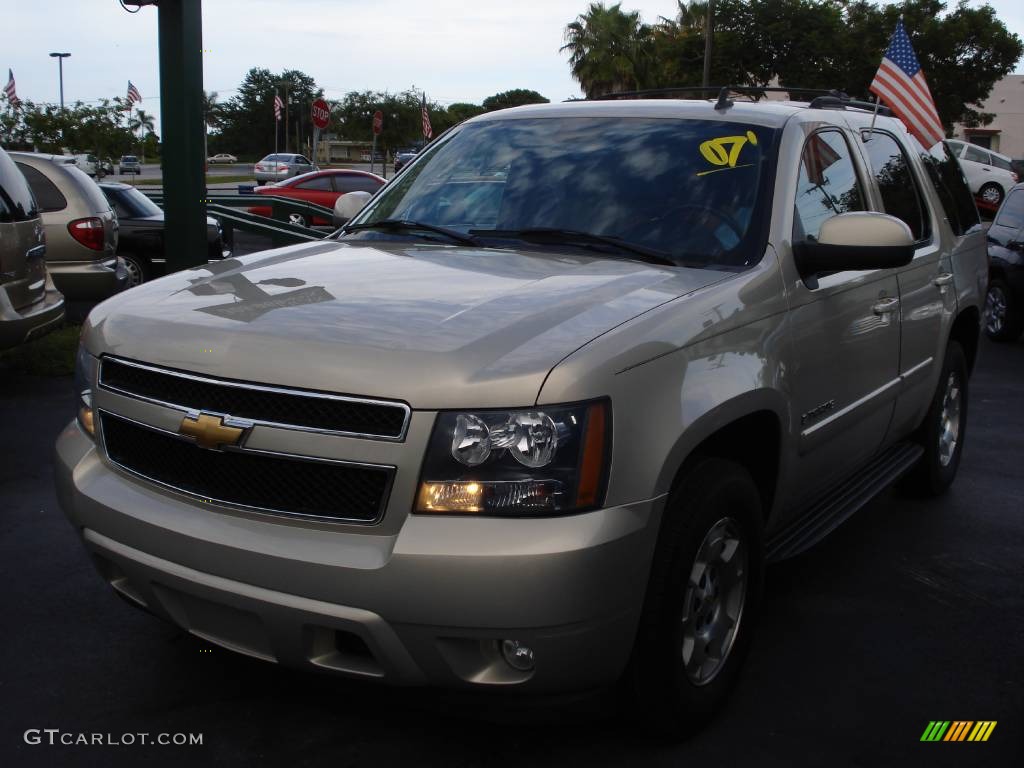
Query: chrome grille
261, 404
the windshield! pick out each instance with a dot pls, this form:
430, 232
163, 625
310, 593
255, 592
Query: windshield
686, 188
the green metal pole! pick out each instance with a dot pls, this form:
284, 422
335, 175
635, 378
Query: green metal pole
183, 128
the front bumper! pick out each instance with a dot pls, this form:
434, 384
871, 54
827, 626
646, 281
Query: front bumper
428, 604
31, 322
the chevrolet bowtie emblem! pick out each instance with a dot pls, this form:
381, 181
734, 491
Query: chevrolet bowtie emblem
210, 431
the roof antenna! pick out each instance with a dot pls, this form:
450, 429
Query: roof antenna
724, 102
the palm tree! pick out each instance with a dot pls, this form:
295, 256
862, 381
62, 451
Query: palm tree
142, 122
608, 49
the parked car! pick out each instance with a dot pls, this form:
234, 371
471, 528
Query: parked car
140, 242
535, 419
320, 187
81, 231
403, 157
223, 157
129, 164
281, 166
30, 304
1004, 305
988, 173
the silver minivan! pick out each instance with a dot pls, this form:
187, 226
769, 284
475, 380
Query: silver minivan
81, 229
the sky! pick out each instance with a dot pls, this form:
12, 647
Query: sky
454, 50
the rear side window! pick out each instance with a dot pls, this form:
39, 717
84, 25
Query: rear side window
1011, 215
976, 155
346, 184
998, 162
46, 192
16, 200
949, 182
828, 184
321, 183
900, 194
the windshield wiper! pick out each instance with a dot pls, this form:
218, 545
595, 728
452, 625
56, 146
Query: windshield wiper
572, 236
412, 226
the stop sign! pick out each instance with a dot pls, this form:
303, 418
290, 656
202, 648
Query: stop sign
378, 122
321, 113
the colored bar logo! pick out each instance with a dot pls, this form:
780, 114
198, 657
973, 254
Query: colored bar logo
958, 730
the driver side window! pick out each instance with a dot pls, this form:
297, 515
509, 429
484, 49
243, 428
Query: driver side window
827, 186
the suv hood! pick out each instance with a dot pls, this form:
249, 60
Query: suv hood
436, 326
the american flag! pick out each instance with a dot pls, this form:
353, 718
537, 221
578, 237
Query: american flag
11, 91
133, 94
428, 132
900, 83
278, 104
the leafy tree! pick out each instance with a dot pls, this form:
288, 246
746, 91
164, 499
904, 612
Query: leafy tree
802, 43
514, 98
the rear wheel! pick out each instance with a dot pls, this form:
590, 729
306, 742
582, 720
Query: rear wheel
991, 193
298, 219
944, 429
702, 599
1004, 320
138, 271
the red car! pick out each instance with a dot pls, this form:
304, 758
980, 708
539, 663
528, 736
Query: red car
319, 187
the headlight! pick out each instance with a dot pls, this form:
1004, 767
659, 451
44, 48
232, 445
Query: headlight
548, 460
85, 380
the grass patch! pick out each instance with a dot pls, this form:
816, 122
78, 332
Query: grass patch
50, 355
209, 180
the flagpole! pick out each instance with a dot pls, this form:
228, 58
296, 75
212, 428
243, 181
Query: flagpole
874, 115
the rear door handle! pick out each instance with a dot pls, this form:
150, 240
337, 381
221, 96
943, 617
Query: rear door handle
943, 280
886, 306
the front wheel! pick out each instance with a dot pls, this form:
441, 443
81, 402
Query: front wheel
702, 599
991, 193
944, 429
1004, 320
297, 219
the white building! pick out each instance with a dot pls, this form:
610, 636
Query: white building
1005, 134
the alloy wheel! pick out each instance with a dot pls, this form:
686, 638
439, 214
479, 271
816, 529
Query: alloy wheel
995, 310
949, 425
713, 600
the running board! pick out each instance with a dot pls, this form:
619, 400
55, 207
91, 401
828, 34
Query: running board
832, 510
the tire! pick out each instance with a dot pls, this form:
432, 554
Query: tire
138, 270
1004, 319
297, 219
673, 692
943, 431
991, 193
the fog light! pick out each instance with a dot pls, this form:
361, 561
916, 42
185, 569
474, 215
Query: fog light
87, 420
517, 655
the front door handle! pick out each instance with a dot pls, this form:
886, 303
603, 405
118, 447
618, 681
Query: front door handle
886, 306
943, 280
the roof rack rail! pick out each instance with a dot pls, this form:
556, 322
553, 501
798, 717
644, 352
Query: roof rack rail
831, 102
756, 91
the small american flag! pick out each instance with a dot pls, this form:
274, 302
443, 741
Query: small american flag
278, 104
900, 83
428, 132
133, 95
11, 90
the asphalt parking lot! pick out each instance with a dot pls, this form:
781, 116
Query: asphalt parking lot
913, 611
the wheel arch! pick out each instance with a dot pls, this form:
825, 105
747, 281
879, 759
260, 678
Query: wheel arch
966, 331
747, 430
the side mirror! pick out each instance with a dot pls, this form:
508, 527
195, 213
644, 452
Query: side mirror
348, 205
854, 241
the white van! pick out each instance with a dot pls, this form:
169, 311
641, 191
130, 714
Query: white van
989, 174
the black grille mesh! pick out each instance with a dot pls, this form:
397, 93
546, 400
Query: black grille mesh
379, 420
285, 485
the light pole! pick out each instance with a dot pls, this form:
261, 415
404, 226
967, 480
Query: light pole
60, 64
